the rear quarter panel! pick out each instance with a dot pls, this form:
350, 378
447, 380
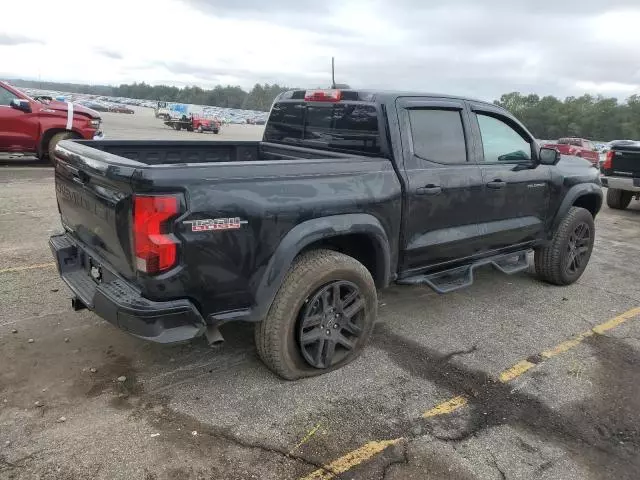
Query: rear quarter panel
221, 270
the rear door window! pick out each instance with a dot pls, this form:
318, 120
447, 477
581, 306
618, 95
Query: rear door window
438, 135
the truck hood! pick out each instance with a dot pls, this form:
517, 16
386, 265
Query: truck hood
77, 108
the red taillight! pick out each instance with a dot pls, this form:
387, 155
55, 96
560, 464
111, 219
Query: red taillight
608, 160
322, 95
155, 250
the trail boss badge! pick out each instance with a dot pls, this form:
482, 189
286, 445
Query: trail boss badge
208, 224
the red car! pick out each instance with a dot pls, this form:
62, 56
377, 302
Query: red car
578, 147
201, 124
36, 126
121, 109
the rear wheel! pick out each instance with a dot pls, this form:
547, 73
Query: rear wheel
618, 199
321, 318
178, 126
565, 259
199, 128
51, 147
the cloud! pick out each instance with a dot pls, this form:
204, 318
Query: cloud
479, 49
10, 40
109, 53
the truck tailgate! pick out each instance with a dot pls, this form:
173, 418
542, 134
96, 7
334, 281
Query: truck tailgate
95, 202
625, 161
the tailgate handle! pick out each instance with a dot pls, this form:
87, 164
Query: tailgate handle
81, 177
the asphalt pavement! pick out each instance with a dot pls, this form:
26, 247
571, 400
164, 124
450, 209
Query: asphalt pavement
508, 379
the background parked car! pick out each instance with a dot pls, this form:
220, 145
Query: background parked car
120, 109
578, 147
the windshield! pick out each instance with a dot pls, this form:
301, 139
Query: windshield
342, 127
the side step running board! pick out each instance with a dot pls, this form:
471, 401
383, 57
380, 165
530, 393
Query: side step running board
460, 277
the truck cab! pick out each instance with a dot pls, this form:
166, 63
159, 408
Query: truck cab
35, 127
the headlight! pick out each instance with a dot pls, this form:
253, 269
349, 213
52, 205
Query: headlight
95, 123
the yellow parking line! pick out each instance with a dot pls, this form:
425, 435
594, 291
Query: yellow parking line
351, 459
515, 371
27, 267
446, 407
369, 450
616, 321
566, 346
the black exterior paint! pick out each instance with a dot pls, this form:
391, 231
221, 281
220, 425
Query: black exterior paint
415, 214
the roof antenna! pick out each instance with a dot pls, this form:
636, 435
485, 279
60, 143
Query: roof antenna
333, 73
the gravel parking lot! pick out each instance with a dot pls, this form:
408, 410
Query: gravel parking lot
508, 379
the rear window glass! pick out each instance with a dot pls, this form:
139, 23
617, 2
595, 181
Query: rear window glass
344, 127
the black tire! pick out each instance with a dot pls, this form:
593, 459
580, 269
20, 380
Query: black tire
216, 132
565, 259
278, 336
178, 126
51, 147
618, 199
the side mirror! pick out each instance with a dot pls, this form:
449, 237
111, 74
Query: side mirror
22, 105
548, 156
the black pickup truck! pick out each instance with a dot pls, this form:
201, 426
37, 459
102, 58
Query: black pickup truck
621, 173
348, 192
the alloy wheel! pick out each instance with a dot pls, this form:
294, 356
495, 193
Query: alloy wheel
330, 323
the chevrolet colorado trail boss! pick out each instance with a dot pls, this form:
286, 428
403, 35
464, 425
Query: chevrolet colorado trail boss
621, 174
35, 126
348, 192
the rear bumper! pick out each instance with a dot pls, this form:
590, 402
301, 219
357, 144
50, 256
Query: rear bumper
118, 302
621, 183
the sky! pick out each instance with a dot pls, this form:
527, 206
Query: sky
465, 47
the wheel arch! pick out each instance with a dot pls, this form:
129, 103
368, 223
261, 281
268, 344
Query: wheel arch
361, 236
585, 195
48, 134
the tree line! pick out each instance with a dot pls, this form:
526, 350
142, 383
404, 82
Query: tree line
260, 97
548, 117
593, 117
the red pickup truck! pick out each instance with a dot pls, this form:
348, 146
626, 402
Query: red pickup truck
35, 126
578, 147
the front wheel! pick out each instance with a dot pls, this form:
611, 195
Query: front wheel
321, 318
565, 259
618, 199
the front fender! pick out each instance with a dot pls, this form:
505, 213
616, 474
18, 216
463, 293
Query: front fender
306, 233
570, 198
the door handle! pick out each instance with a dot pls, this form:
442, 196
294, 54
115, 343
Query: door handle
496, 184
430, 189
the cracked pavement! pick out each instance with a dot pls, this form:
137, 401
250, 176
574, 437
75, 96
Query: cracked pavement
191, 412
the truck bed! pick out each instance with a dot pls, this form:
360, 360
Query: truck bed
163, 152
268, 189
